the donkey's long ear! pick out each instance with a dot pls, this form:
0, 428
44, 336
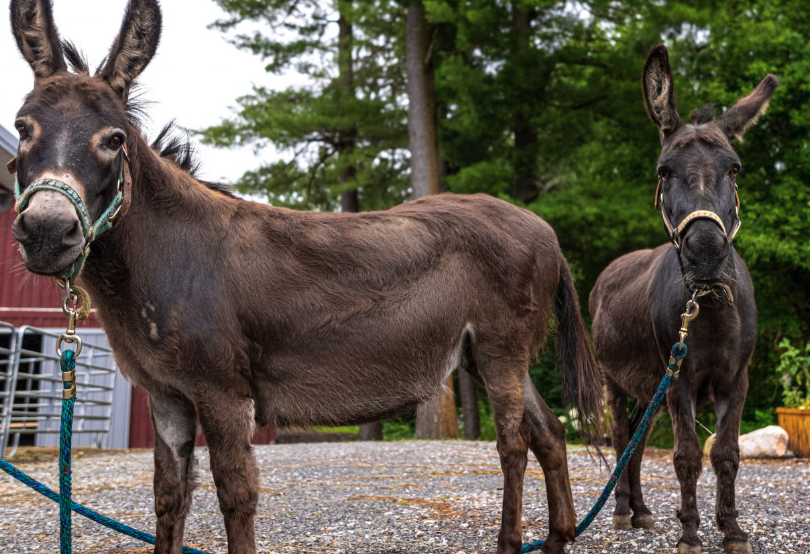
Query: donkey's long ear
659, 92
37, 37
746, 111
134, 46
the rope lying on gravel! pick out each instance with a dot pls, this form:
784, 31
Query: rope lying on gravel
675, 359
82, 510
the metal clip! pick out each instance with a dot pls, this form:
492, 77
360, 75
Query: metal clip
692, 310
64, 337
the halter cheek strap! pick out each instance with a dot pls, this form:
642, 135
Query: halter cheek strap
91, 230
674, 233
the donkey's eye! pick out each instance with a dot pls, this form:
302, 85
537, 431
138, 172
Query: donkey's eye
664, 173
115, 142
23, 131
734, 171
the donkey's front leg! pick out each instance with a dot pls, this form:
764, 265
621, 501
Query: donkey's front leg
227, 420
725, 458
688, 465
175, 424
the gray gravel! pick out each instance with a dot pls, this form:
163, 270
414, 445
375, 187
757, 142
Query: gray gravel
401, 497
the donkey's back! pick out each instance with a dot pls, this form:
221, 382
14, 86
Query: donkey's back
358, 316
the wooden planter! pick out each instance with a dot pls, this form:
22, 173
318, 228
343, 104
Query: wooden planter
797, 424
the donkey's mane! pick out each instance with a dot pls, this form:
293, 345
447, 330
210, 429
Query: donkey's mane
180, 150
169, 145
703, 115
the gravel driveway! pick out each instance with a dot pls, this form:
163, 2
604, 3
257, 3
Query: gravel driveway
397, 497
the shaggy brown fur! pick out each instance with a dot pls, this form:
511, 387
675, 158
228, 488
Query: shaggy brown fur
231, 313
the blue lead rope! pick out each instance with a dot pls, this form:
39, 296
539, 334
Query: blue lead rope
68, 364
675, 359
66, 505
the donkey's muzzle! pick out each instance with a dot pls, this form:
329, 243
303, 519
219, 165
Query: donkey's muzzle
705, 249
49, 232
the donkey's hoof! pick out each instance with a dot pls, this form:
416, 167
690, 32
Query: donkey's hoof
684, 548
623, 522
737, 548
644, 521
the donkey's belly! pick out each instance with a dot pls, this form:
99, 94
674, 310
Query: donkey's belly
336, 395
356, 380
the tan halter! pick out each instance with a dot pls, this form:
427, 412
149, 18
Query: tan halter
674, 233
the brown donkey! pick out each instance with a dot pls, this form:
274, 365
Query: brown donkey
638, 299
232, 313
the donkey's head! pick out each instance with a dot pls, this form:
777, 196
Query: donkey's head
73, 128
698, 170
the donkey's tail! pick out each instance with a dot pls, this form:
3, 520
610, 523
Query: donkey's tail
582, 378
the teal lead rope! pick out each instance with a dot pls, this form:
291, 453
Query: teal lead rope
66, 505
68, 363
675, 359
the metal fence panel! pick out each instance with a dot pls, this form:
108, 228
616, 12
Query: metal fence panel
33, 396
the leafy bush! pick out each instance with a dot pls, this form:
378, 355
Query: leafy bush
794, 367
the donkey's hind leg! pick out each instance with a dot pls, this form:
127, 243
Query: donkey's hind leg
503, 379
547, 441
175, 424
642, 516
620, 432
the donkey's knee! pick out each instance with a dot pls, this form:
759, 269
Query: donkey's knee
688, 462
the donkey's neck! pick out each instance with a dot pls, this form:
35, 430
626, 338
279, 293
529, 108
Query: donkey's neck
171, 214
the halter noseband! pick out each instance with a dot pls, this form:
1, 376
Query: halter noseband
91, 230
674, 233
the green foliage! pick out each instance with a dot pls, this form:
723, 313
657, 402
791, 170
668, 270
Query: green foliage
399, 429
794, 368
762, 418
349, 429
346, 129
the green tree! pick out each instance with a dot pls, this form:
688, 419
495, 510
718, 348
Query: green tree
345, 130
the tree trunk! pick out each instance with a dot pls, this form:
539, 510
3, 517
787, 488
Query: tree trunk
349, 200
437, 419
371, 431
421, 103
469, 405
526, 147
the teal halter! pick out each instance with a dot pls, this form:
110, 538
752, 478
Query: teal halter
91, 231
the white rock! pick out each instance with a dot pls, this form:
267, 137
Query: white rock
769, 442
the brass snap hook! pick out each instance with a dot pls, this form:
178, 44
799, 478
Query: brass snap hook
692, 311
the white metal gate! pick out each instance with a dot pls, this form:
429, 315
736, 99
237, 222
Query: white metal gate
31, 389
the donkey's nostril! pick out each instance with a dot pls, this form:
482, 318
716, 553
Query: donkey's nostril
73, 234
21, 227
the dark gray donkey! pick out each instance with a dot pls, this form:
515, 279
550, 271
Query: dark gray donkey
638, 299
230, 312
